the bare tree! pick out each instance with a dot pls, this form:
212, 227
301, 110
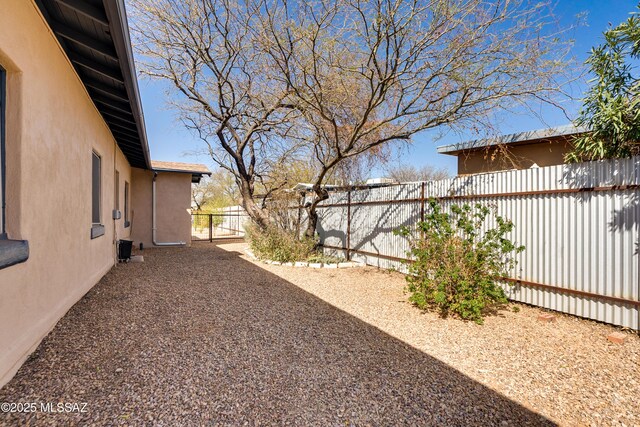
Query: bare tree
204, 49
200, 194
215, 192
367, 73
263, 82
410, 173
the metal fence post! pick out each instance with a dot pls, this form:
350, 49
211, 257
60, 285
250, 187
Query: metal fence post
422, 203
298, 225
210, 228
349, 225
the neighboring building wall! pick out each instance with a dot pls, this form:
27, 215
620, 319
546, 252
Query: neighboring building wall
545, 153
52, 128
173, 204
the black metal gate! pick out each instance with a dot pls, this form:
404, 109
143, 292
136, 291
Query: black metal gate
219, 225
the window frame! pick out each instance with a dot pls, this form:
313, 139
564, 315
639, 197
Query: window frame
3, 154
12, 252
97, 228
126, 204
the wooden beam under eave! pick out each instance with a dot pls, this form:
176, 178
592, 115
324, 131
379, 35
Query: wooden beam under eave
122, 107
84, 8
96, 67
122, 130
117, 116
125, 136
129, 149
131, 153
105, 90
84, 40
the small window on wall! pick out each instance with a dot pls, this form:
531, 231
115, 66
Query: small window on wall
97, 229
3, 85
126, 204
11, 251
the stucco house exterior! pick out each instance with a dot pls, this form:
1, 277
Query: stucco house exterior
172, 183
545, 147
75, 168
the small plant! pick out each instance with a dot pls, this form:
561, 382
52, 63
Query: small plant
278, 245
319, 257
458, 259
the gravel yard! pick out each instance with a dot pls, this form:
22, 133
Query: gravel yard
204, 336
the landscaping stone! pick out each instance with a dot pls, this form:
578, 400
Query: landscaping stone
546, 318
349, 264
345, 264
617, 337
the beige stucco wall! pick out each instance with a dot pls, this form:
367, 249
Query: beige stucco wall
546, 153
52, 128
173, 203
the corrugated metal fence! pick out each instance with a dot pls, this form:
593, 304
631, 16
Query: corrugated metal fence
579, 224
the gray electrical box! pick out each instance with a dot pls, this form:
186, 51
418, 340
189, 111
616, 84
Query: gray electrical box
116, 214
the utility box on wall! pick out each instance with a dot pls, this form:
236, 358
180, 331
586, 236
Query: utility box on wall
124, 249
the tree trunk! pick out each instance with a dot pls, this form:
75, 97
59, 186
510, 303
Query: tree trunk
312, 214
255, 212
312, 223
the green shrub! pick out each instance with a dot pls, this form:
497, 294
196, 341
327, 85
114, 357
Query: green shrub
278, 245
319, 257
457, 265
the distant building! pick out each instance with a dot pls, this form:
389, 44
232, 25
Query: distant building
375, 182
545, 147
303, 187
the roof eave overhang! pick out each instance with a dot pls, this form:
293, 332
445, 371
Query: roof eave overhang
100, 51
195, 176
522, 138
117, 16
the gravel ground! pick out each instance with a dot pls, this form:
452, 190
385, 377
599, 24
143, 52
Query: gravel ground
203, 336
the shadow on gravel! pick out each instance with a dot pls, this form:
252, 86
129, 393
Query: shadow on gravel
198, 336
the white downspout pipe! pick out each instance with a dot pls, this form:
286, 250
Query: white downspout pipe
153, 213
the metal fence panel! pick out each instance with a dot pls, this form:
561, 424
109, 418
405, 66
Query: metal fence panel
225, 222
579, 224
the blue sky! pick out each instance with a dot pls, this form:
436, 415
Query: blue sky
169, 141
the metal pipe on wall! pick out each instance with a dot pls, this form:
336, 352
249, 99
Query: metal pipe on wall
153, 214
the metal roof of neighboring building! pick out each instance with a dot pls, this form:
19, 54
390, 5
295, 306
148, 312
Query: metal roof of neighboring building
304, 186
195, 169
95, 36
307, 187
519, 138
